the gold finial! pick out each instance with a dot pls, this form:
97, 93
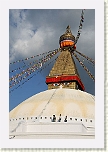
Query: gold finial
68, 30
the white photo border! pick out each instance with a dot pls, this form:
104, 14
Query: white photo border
98, 142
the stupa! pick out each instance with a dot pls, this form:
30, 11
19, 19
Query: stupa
64, 111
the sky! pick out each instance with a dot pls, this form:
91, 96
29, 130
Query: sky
35, 31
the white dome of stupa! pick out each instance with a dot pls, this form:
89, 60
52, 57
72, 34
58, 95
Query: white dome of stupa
67, 102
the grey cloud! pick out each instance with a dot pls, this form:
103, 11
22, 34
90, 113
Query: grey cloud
50, 24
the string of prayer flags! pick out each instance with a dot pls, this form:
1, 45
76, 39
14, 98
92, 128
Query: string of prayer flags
83, 59
91, 60
37, 65
85, 68
31, 76
15, 79
80, 26
21, 60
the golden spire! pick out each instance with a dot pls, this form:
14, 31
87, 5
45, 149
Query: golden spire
64, 71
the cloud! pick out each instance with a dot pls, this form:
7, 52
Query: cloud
35, 31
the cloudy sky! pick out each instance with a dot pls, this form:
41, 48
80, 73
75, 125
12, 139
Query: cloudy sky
34, 31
